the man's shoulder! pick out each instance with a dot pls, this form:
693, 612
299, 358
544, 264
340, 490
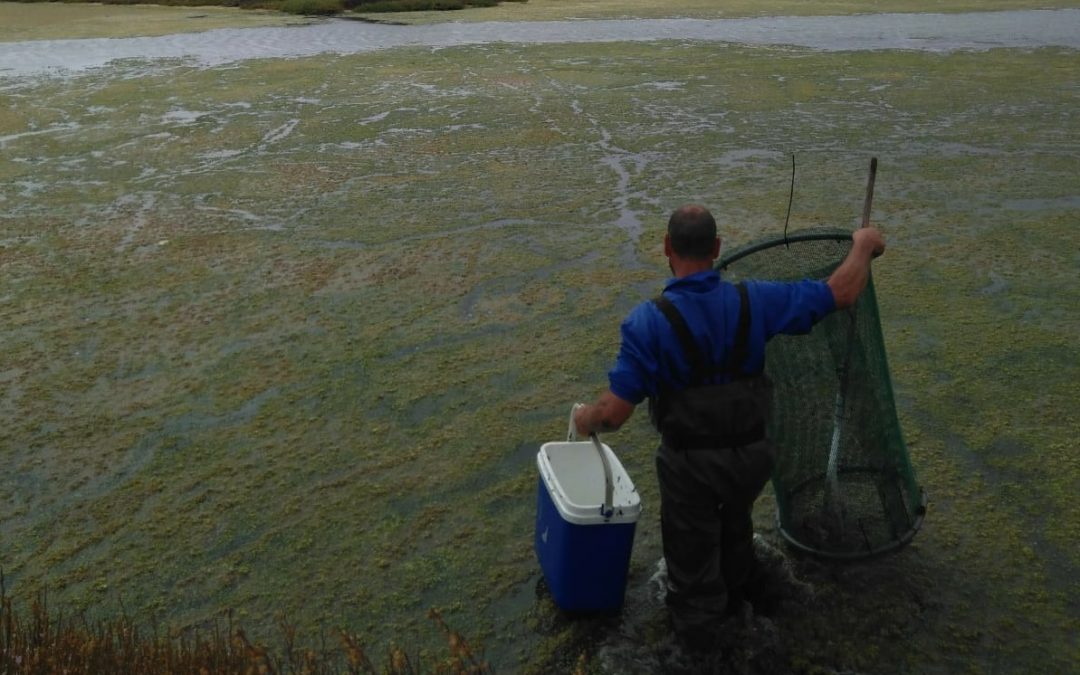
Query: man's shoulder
644, 320
642, 311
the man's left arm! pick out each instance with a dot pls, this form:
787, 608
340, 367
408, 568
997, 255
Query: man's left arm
608, 414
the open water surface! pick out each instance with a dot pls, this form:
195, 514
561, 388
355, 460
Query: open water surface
925, 32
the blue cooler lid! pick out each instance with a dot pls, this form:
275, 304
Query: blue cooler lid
574, 477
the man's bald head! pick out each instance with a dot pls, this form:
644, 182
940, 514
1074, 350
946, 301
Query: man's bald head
692, 231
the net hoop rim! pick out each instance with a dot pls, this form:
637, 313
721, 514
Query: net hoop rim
896, 544
742, 252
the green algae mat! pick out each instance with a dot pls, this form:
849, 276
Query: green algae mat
284, 337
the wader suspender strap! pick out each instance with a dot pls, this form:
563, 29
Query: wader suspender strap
699, 371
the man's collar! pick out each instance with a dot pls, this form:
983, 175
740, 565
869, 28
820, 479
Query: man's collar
697, 281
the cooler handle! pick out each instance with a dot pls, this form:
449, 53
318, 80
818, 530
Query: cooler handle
606, 508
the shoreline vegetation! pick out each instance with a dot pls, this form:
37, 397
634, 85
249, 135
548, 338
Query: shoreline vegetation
308, 7
430, 11
23, 20
39, 639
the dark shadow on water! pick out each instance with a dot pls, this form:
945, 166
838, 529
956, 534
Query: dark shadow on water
377, 22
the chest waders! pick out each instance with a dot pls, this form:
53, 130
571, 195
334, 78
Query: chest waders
711, 466
705, 415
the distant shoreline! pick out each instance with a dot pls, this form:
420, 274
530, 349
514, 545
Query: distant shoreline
306, 7
909, 32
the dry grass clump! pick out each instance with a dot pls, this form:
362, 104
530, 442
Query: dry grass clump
44, 644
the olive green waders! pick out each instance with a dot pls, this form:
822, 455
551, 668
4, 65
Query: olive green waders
706, 499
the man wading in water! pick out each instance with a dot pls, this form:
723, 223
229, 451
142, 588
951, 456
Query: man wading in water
697, 352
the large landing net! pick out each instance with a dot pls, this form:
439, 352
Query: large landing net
843, 480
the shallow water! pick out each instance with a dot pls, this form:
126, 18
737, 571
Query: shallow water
924, 32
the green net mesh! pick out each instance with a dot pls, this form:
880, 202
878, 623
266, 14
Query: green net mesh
843, 480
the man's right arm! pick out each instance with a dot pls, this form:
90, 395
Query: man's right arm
849, 279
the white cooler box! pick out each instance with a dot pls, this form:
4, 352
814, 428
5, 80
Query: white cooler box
583, 544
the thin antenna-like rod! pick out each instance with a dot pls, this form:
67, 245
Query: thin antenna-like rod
790, 199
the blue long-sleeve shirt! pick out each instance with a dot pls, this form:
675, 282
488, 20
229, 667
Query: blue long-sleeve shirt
651, 354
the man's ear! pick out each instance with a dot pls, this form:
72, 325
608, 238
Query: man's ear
716, 249
667, 245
